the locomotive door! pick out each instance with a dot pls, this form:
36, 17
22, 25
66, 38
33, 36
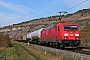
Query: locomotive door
58, 33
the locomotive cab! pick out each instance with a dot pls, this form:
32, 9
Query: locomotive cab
71, 35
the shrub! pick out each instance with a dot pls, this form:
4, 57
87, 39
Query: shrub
4, 40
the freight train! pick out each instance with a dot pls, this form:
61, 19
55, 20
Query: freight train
61, 35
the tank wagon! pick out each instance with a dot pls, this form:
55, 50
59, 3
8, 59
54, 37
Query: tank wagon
34, 36
63, 34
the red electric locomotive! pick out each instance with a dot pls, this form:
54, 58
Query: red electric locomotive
62, 35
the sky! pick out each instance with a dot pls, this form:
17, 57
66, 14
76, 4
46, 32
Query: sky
17, 11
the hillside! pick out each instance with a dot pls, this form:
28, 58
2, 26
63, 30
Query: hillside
19, 30
79, 15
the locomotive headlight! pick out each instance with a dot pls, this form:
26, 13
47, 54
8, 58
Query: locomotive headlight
65, 38
77, 38
65, 34
76, 34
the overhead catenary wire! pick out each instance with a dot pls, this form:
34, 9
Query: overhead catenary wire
76, 5
68, 4
72, 7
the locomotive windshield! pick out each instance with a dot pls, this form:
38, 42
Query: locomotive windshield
70, 28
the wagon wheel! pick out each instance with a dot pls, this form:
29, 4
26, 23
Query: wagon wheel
62, 46
58, 46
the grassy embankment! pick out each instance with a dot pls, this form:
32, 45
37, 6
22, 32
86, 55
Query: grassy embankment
11, 53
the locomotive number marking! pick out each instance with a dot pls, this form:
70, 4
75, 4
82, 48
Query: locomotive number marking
71, 34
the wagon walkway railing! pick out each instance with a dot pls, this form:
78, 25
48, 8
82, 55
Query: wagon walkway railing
2, 54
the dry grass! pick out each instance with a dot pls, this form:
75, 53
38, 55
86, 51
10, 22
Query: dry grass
11, 53
24, 54
44, 55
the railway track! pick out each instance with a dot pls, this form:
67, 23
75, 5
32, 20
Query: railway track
82, 50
